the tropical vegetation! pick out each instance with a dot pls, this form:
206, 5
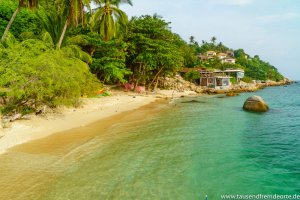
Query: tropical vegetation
255, 68
54, 52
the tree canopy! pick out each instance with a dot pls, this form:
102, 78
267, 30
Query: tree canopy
64, 49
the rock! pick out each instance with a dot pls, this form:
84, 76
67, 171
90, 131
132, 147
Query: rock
15, 117
193, 101
231, 94
256, 104
219, 92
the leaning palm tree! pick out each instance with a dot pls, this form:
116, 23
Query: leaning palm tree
21, 4
73, 10
108, 17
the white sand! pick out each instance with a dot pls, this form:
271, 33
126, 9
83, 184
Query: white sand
93, 110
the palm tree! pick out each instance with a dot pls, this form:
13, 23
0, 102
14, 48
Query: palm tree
108, 16
73, 10
22, 3
192, 40
53, 23
213, 39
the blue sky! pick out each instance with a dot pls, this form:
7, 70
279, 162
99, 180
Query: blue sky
268, 28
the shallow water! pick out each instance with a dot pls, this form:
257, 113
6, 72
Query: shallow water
209, 146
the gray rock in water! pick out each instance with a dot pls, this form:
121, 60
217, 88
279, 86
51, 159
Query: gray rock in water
256, 104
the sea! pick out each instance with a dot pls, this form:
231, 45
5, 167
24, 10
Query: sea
204, 147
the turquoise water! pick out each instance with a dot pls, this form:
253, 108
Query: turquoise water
209, 147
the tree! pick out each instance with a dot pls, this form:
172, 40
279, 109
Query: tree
107, 17
152, 52
213, 39
25, 21
108, 59
192, 39
22, 3
192, 75
39, 75
53, 23
73, 11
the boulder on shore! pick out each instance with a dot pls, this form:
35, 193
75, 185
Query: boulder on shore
256, 104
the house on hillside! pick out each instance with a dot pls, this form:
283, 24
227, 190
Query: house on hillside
211, 54
228, 60
230, 53
221, 56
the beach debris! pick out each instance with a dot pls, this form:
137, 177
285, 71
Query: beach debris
15, 117
256, 104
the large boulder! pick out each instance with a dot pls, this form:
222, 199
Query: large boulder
256, 104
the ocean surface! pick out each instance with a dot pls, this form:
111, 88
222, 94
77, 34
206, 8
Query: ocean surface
195, 147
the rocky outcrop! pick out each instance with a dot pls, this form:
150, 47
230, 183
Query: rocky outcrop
178, 84
256, 104
232, 94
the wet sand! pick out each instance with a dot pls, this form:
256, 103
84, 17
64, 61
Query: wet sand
91, 111
28, 169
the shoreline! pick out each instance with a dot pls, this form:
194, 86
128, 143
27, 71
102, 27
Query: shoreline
179, 84
92, 110
96, 109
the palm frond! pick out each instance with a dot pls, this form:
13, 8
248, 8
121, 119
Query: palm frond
76, 52
77, 40
27, 35
46, 37
106, 20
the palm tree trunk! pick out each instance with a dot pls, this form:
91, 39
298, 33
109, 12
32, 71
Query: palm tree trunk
10, 23
62, 35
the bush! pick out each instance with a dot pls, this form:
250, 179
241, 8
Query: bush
247, 79
192, 76
32, 75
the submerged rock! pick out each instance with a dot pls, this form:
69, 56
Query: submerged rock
256, 104
193, 101
232, 94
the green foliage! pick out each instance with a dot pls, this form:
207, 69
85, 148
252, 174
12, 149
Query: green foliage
76, 52
25, 21
247, 79
212, 46
109, 62
192, 75
152, 49
107, 18
52, 23
33, 74
256, 68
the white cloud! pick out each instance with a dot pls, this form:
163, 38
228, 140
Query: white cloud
234, 2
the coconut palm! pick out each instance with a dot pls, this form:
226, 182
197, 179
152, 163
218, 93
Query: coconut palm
53, 23
22, 3
213, 39
73, 10
108, 17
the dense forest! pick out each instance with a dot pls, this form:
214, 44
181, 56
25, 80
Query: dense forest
53, 52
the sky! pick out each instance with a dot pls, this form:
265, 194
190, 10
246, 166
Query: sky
268, 28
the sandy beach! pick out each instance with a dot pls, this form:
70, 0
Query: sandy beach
92, 110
